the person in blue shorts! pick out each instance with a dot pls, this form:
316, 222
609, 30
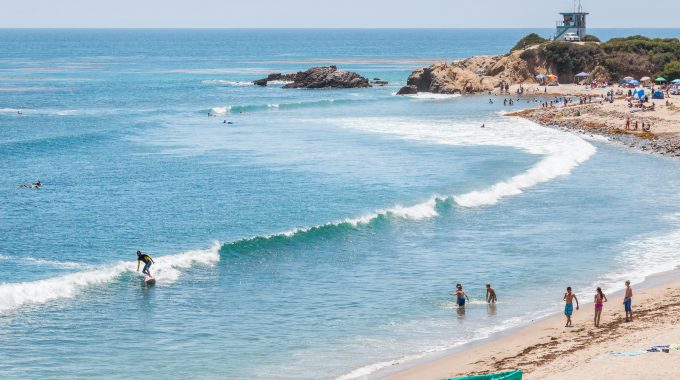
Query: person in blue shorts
147, 262
568, 298
460, 295
628, 302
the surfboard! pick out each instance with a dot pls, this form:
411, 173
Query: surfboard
150, 281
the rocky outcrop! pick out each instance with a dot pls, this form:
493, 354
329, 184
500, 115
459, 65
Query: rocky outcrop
327, 77
477, 74
275, 77
442, 78
408, 90
318, 77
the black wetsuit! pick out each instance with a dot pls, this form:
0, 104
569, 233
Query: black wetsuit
147, 263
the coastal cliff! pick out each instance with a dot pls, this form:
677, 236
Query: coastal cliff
635, 56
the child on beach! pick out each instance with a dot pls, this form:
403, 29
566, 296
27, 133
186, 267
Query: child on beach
490, 294
627, 302
568, 306
600, 298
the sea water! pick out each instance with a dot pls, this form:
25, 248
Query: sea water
296, 233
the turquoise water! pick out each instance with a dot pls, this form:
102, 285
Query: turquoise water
319, 235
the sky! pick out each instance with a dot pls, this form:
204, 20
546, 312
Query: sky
330, 13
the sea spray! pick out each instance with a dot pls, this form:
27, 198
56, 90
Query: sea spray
167, 270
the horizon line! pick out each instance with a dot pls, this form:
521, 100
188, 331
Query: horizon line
315, 28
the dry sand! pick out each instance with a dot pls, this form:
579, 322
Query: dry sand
548, 350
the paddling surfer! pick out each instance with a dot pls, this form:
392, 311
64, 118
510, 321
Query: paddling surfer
147, 262
568, 298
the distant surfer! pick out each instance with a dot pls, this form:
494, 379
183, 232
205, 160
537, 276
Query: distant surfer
147, 262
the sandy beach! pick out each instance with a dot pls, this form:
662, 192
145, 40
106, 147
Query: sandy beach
548, 350
609, 119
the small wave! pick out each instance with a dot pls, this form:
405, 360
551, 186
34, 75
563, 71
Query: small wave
561, 151
478, 335
220, 111
227, 83
431, 96
166, 271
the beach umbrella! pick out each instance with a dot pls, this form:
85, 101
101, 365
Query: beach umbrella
676, 81
552, 76
645, 79
623, 81
628, 79
660, 79
582, 74
541, 76
634, 82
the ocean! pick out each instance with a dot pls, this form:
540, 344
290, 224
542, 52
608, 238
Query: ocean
297, 234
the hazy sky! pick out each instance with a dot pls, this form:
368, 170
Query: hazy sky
330, 14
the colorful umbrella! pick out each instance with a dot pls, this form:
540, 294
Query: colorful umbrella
660, 79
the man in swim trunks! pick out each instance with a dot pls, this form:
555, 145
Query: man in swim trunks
628, 302
568, 306
490, 294
147, 262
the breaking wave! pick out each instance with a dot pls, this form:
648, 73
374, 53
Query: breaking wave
167, 270
220, 111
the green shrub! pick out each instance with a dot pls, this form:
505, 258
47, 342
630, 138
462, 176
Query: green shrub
590, 38
670, 71
528, 40
569, 58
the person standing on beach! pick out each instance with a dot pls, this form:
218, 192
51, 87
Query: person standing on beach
599, 300
568, 298
628, 302
490, 294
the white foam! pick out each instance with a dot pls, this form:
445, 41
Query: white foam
11, 110
219, 110
480, 334
166, 270
431, 96
650, 254
227, 82
561, 151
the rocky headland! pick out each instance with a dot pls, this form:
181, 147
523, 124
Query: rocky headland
318, 77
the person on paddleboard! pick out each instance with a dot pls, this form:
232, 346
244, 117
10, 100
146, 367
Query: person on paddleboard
147, 262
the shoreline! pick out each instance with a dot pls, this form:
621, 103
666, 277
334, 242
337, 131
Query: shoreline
531, 347
533, 344
608, 120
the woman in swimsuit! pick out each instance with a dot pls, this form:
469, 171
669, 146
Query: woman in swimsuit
600, 298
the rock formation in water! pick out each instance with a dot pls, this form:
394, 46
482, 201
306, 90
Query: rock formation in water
318, 77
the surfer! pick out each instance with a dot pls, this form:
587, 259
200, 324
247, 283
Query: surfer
147, 262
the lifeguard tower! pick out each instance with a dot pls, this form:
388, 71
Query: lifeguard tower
572, 22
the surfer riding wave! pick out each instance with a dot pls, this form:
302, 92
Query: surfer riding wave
147, 262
